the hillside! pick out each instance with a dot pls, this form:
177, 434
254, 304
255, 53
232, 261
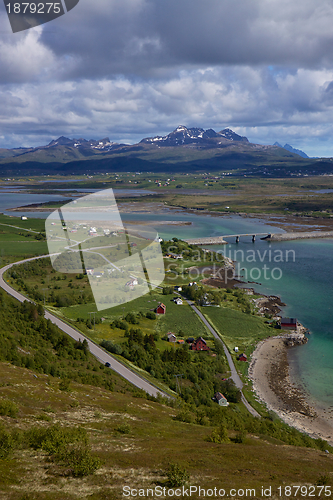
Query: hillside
64, 439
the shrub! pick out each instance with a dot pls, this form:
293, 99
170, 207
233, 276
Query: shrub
64, 385
8, 408
177, 475
123, 429
219, 435
240, 437
185, 416
8, 441
150, 315
79, 459
111, 347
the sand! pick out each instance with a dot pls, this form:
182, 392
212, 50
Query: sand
270, 375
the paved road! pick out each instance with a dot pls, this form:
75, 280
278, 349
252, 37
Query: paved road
118, 367
99, 353
234, 375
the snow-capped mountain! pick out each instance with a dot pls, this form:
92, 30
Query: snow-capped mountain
195, 136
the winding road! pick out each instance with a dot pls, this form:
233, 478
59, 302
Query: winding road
234, 375
105, 357
99, 353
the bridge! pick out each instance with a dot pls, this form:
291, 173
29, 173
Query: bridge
220, 240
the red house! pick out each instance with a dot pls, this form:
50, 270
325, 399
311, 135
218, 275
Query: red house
242, 357
161, 309
289, 323
200, 345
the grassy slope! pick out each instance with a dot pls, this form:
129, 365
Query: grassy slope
140, 458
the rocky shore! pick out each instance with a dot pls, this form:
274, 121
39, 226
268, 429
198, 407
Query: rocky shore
269, 372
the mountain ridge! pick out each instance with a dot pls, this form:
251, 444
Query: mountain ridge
184, 149
287, 146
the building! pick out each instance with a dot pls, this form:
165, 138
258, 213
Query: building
172, 255
177, 288
178, 301
132, 282
172, 337
90, 271
97, 274
200, 345
220, 399
242, 357
161, 308
289, 323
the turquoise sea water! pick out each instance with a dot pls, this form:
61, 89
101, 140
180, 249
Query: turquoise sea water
305, 284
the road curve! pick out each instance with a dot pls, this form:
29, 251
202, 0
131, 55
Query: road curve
234, 375
99, 353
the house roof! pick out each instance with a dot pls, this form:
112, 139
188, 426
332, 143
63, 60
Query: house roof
203, 340
218, 396
289, 321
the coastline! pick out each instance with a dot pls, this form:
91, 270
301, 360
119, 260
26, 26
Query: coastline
276, 387
272, 379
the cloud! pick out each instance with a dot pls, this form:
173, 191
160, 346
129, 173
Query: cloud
132, 68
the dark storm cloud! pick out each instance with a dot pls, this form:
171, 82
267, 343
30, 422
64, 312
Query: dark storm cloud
133, 68
145, 37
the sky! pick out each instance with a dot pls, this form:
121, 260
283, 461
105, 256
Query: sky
128, 69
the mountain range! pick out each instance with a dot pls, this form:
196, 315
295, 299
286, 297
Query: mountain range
184, 149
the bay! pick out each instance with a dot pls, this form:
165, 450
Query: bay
304, 280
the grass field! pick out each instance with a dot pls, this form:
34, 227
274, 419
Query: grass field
237, 328
176, 318
20, 241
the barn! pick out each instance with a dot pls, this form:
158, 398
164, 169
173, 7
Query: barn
200, 345
242, 357
161, 309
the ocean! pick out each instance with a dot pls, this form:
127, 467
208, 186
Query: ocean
300, 272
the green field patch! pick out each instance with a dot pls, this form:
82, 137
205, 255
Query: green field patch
22, 248
237, 328
181, 318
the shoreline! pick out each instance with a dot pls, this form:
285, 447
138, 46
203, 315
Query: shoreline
274, 385
272, 379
